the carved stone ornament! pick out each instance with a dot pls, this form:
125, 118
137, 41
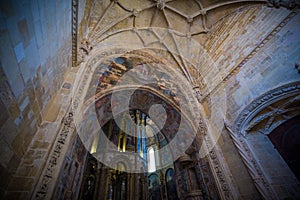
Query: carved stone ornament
47, 179
270, 110
74, 31
160, 4
290, 4
220, 177
84, 50
253, 167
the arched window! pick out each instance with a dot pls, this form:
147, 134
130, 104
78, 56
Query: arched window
171, 186
151, 160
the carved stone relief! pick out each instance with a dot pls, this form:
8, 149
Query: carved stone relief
285, 3
47, 179
214, 161
270, 109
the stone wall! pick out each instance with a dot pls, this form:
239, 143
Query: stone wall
270, 66
234, 37
35, 52
71, 172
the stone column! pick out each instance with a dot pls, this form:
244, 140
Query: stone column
128, 188
105, 181
98, 181
144, 188
162, 185
136, 187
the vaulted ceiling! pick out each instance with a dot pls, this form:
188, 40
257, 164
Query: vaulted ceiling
205, 40
187, 17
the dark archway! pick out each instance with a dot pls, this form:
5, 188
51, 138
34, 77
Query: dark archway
286, 139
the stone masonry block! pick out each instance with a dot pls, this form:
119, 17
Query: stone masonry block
14, 110
20, 184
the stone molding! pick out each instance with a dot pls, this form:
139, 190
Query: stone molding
242, 122
237, 132
47, 179
253, 167
216, 166
74, 31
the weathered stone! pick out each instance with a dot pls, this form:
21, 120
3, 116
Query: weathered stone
24, 170
30, 92
34, 171
40, 145
19, 52
6, 153
5, 177
35, 108
14, 110
17, 145
24, 33
17, 195
25, 112
39, 119
20, 184
4, 114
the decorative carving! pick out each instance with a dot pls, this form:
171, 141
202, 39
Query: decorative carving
252, 166
190, 19
290, 4
215, 164
276, 116
52, 162
160, 4
245, 117
74, 31
135, 12
84, 50
197, 92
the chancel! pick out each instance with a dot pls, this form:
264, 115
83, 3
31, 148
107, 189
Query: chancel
149, 99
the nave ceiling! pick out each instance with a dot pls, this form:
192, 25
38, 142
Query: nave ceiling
195, 37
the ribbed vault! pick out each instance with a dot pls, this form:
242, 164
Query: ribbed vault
194, 36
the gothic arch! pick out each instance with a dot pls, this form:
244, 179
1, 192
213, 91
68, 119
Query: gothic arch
271, 109
249, 133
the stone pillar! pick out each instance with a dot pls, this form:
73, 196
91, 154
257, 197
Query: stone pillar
144, 186
163, 185
108, 183
98, 182
145, 182
128, 185
136, 187
105, 182
178, 180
